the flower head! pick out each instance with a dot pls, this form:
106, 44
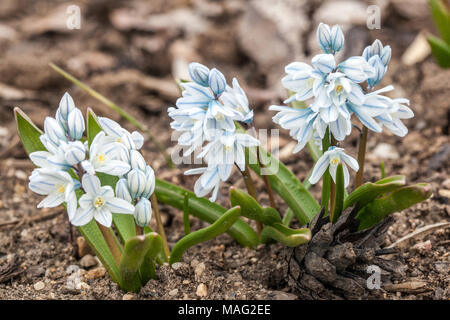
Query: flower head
57, 186
99, 203
330, 160
331, 40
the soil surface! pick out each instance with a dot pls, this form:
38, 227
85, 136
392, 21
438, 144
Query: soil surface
130, 51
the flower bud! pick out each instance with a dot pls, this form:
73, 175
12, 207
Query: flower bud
149, 182
337, 39
217, 81
74, 152
386, 55
380, 71
143, 212
325, 63
138, 139
330, 40
75, 124
66, 105
122, 191
55, 133
199, 73
137, 160
136, 183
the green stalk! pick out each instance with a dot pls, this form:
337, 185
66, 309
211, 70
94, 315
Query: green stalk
159, 224
266, 181
187, 225
251, 191
112, 241
116, 108
326, 176
361, 156
332, 184
340, 194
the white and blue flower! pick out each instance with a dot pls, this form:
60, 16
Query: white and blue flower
99, 203
330, 160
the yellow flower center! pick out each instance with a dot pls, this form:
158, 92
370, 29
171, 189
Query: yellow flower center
339, 89
220, 117
310, 82
227, 148
61, 189
119, 140
335, 161
99, 202
101, 158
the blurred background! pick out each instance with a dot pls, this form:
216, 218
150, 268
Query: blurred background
131, 52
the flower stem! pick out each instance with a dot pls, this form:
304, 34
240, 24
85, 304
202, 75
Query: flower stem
159, 225
252, 191
326, 177
361, 156
332, 184
266, 180
112, 242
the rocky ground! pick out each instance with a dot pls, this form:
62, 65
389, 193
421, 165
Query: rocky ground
130, 51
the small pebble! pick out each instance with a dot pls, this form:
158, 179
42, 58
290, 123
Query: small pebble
95, 273
88, 261
128, 296
39, 285
173, 292
199, 270
202, 290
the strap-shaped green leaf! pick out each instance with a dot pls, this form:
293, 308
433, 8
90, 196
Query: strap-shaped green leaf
124, 223
287, 236
205, 210
370, 191
29, 133
148, 267
398, 200
134, 253
286, 184
217, 228
441, 16
251, 209
440, 50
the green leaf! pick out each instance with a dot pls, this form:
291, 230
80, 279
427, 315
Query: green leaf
205, 210
148, 267
94, 238
370, 191
29, 133
340, 194
440, 50
93, 127
217, 228
287, 236
398, 200
250, 208
441, 16
135, 251
286, 184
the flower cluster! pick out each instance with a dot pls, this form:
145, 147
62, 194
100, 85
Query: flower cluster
70, 164
334, 92
206, 114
